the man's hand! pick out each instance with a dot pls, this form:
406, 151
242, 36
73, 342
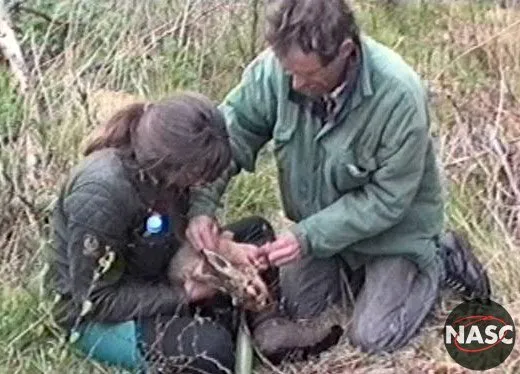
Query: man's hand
235, 252
284, 250
258, 258
203, 232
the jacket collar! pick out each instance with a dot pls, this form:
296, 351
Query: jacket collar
151, 196
364, 86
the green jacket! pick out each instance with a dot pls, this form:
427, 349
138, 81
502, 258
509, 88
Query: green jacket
363, 184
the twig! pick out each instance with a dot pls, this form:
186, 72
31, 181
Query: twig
477, 155
238, 39
498, 149
32, 208
254, 28
500, 108
346, 288
184, 26
30, 328
176, 28
475, 47
11, 191
500, 223
266, 361
40, 14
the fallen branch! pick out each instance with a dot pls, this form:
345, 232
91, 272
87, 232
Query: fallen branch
11, 49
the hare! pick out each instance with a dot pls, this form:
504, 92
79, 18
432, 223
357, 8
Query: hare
226, 269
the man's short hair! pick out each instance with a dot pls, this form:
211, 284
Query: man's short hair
318, 26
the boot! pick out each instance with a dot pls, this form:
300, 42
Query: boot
281, 338
464, 272
278, 337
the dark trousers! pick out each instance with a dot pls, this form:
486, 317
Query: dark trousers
202, 340
391, 296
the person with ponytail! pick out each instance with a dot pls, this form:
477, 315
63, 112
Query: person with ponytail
107, 270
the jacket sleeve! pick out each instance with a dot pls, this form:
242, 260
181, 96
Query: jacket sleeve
97, 226
250, 113
382, 202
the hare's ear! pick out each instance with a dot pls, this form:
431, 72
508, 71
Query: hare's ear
218, 262
203, 272
226, 234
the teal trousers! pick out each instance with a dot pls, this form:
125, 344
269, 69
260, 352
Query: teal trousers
112, 344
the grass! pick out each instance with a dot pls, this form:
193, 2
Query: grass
94, 58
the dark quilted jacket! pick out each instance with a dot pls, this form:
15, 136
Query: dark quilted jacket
102, 208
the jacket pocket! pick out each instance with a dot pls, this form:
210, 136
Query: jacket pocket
148, 256
283, 134
351, 172
286, 125
286, 192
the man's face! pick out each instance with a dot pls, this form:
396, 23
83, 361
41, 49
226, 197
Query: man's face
309, 76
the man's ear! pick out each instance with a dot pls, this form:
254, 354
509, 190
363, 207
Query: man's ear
347, 48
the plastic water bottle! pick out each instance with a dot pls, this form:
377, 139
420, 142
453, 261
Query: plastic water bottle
154, 225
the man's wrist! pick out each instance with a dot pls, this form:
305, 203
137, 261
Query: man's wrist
301, 235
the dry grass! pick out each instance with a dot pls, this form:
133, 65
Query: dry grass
470, 55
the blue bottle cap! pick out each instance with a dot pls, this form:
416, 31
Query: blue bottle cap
154, 224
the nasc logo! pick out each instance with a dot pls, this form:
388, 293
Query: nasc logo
479, 335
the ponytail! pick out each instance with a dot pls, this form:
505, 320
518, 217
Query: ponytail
117, 132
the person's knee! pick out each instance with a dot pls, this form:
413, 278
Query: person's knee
264, 226
214, 349
192, 344
374, 337
309, 307
310, 286
254, 229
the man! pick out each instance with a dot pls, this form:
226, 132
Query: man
357, 172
